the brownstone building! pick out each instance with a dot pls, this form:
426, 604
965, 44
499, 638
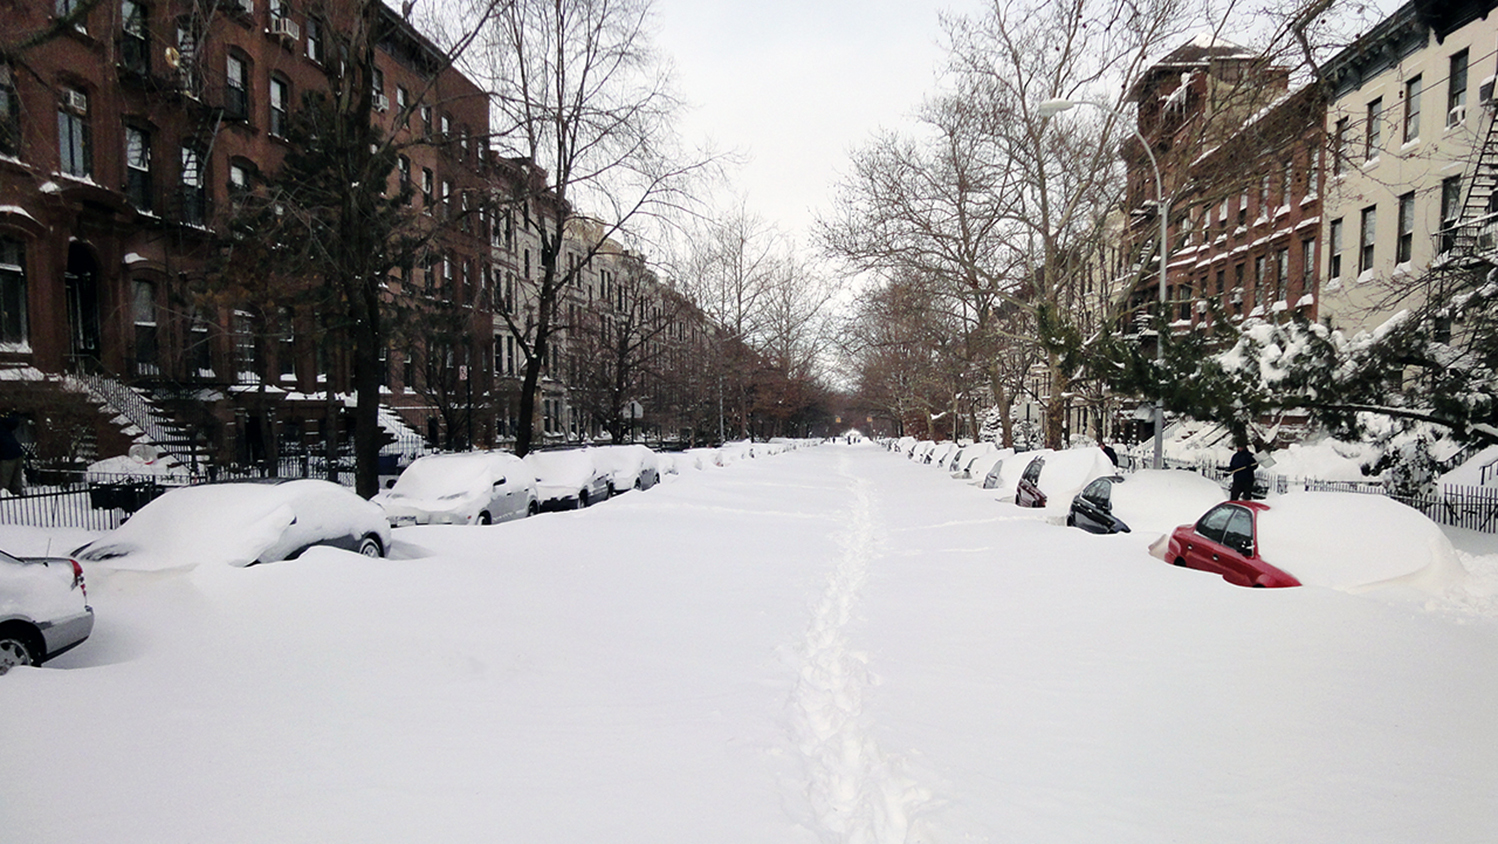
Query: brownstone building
124, 143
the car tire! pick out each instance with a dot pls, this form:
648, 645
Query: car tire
582, 499
1180, 561
1071, 520
17, 647
533, 509
639, 484
370, 546
485, 518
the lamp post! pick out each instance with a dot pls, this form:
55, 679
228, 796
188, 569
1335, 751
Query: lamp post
1162, 207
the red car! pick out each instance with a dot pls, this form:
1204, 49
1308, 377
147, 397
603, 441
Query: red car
1224, 541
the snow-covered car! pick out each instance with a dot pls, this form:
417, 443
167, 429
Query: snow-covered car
568, 479
974, 456
1148, 500
629, 466
942, 453
44, 609
474, 488
242, 524
1003, 476
1342, 540
1060, 475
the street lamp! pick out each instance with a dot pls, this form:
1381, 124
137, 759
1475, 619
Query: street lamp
1162, 206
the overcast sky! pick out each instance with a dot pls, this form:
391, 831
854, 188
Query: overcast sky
796, 85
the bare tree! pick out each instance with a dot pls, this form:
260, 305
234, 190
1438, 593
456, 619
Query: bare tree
580, 93
994, 196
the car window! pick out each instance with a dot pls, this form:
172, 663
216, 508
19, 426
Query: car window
1098, 491
1211, 525
1032, 472
1239, 533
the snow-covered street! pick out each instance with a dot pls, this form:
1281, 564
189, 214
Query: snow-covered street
828, 645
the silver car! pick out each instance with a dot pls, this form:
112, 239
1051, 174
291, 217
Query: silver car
44, 609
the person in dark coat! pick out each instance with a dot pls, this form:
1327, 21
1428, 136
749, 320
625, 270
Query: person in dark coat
11, 456
1241, 469
1112, 455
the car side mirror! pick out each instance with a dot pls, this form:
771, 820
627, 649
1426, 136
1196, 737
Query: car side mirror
500, 482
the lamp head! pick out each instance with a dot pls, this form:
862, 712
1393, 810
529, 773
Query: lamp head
1051, 107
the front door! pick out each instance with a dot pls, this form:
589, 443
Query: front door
81, 284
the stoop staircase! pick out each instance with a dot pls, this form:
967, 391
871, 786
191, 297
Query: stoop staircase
138, 417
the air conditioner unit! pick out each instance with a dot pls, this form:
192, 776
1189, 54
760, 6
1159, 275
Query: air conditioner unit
76, 101
1456, 116
285, 28
381, 102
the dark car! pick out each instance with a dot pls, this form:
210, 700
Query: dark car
1027, 493
1092, 508
44, 609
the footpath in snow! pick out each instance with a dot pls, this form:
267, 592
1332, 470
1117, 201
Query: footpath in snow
831, 645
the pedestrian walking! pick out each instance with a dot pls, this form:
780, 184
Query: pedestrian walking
11, 456
1112, 455
1241, 470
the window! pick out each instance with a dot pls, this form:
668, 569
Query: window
1243, 206
426, 120
244, 346
138, 167
1405, 244
187, 59
426, 190
447, 127
73, 142
1334, 267
1365, 238
10, 115
236, 88
1261, 281
144, 312
280, 103
403, 168
12, 291
1307, 265
377, 83
447, 200
1412, 110
1456, 90
65, 8
1451, 209
402, 102
239, 177
1281, 274
1373, 130
1313, 172
1287, 181
314, 39
1264, 196
1339, 145
135, 53
194, 197
199, 350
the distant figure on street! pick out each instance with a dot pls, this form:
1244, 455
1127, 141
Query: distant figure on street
1241, 469
1112, 455
11, 456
